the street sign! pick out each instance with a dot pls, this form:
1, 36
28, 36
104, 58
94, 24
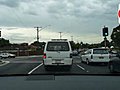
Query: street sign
119, 14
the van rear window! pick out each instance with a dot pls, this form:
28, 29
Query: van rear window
58, 46
100, 51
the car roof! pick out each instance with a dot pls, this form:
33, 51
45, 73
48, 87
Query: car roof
58, 40
100, 48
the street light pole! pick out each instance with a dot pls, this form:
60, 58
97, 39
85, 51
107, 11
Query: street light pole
37, 28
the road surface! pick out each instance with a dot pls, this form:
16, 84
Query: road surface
34, 65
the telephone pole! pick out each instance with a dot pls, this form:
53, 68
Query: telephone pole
71, 38
41, 28
37, 28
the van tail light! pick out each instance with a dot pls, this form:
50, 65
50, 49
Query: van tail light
91, 56
44, 56
71, 55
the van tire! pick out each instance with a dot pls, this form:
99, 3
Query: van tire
46, 67
87, 62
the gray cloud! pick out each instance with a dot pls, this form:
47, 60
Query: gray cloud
10, 3
76, 16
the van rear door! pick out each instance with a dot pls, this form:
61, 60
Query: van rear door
57, 50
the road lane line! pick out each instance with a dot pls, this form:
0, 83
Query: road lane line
35, 68
6, 62
82, 68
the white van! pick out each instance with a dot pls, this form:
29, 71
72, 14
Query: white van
96, 55
57, 52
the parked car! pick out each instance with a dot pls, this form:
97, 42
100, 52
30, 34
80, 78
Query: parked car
113, 54
114, 64
57, 52
7, 55
74, 52
96, 55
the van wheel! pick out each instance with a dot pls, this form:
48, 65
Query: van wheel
87, 62
70, 67
46, 68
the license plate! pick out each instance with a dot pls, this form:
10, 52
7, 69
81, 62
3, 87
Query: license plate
101, 57
57, 61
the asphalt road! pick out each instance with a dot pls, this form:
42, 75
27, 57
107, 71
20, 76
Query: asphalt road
34, 65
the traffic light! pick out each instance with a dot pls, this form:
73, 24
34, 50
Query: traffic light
105, 31
0, 33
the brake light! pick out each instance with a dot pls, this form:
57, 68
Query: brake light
44, 55
91, 56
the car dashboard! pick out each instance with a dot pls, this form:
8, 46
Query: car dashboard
60, 82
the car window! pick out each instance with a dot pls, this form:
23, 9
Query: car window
100, 51
57, 46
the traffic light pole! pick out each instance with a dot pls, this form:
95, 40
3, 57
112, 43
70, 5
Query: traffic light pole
105, 39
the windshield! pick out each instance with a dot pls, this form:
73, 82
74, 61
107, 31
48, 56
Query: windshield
57, 46
59, 37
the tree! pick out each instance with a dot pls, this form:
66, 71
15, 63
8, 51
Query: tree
108, 44
115, 36
4, 42
38, 44
72, 43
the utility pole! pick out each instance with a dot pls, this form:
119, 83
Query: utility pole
0, 33
37, 28
71, 38
60, 35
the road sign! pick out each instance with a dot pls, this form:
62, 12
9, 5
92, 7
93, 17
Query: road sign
119, 14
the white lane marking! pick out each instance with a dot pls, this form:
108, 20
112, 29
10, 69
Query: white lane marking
29, 56
35, 68
5, 63
82, 68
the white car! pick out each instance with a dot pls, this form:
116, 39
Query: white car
96, 55
7, 55
57, 52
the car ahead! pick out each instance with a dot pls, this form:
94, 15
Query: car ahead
113, 54
74, 53
96, 55
114, 64
7, 55
57, 52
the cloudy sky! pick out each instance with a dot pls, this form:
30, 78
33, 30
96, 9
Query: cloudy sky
82, 19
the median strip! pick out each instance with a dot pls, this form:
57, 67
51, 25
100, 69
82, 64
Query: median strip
35, 68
